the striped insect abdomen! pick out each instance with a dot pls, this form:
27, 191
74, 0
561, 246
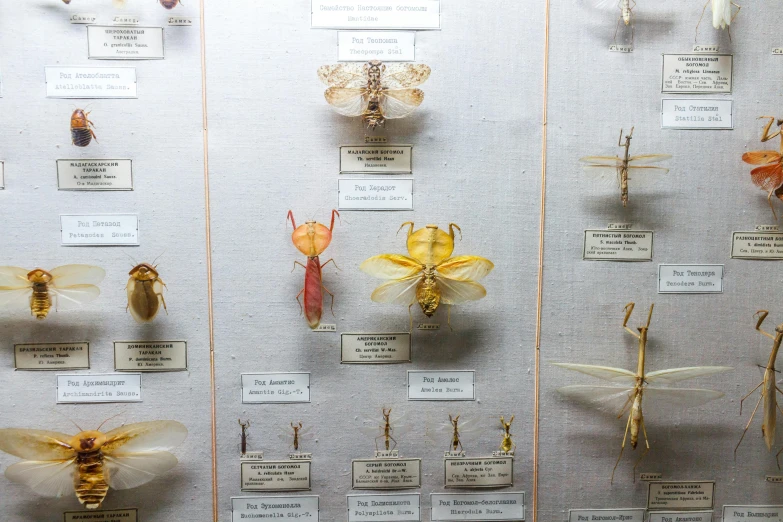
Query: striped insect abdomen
313, 295
81, 136
144, 300
40, 301
89, 483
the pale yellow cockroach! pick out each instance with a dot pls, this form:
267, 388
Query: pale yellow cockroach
145, 292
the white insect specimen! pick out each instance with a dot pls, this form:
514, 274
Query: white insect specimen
721, 14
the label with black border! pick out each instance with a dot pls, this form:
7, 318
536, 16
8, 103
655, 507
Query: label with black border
481, 472
618, 245
151, 356
690, 279
697, 73
678, 495
375, 348
680, 516
52, 356
398, 473
94, 174
757, 245
269, 475
116, 42
376, 159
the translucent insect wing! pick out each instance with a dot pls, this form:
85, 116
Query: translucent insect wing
399, 292
721, 13
344, 75
399, 75
35, 444
131, 470
680, 374
46, 478
72, 275
606, 175
13, 277
454, 292
348, 102
649, 158
610, 399
679, 397
400, 103
161, 435
618, 375
465, 268
391, 266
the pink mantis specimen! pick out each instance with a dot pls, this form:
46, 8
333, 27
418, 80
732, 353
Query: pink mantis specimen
312, 239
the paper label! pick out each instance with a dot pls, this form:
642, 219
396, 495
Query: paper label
107, 42
90, 82
386, 46
646, 477
94, 174
114, 515
107, 387
375, 348
381, 159
283, 475
325, 328
483, 472
252, 455
746, 513
375, 139
180, 21
680, 516
276, 387
697, 73
621, 48
99, 229
706, 48
588, 515
375, 194
52, 356
126, 20
83, 18
689, 113
478, 506
774, 479
399, 507
426, 385
299, 507
150, 356
616, 245
375, 14
428, 326
757, 245
385, 473
690, 279
680, 495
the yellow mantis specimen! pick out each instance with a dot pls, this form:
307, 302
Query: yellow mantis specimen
638, 386
507, 445
768, 388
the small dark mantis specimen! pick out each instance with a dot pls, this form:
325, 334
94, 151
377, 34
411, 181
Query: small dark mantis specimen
244, 426
507, 444
455, 442
387, 431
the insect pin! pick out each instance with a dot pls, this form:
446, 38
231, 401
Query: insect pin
769, 176
81, 128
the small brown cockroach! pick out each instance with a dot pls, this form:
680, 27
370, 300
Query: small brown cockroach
145, 292
169, 4
244, 426
81, 128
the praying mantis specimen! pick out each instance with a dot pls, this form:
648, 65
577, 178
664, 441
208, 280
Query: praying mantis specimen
768, 388
721, 15
770, 175
637, 385
507, 444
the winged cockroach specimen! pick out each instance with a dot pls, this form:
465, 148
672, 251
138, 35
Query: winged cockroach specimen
770, 175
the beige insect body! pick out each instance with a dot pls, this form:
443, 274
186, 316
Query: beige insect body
145, 292
507, 444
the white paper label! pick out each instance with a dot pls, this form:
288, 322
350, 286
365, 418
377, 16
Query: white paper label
52, 356
262, 388
114, 515
90, 82
757, 245
690, 113
94, 174
126, 20
111, 42
107, 387
774, 479
283, 475
621, 48
706, 48
588, 515
400, 507
697, 73
375, 194
478, 506
616, 245
151, 356
680, 495
426, 385
299, 507
380, 159
180, 21
375, 348
99, 229
375, 14
387, 46
690, 279
483, 472
748, 513
385, 473
325, 328
83, 18
680, 516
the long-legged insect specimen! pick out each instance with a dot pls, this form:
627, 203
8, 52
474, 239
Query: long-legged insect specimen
507, 444
768, 388
770, 175
721, 15
626, 17
638, 385
244, 426
295, 434
388, 430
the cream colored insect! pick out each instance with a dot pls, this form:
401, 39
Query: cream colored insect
145, 292
507, 445
721, 15
637, 386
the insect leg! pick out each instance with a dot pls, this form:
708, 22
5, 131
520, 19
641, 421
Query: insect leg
749, 394
628, 311
614, 39
298, 263
334, 213
333, 262
630, 398
331, 294
452, 226
301, 308
291, 217
696, 38
739, 8
448, 317
627, 427
394, 441
762, 315
410, 230
765, 135
410, 316
646, 443
777, 455
160, 295
769, 200
747, 426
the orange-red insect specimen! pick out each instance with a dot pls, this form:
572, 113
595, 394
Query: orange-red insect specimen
770, 175
169, 4
312, 239
81, 128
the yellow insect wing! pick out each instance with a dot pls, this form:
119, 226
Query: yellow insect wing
466, 268
391, 266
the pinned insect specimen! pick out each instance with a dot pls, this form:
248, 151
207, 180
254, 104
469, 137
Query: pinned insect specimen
617, 171
375, 91
768, 388
91, 462
721, 15
312, 239
81, 128
638, 385
244, 426
457, 428
770, 175
429, 276
297, 434
507, 445
169, 4
391, 427
65, 287
145, 292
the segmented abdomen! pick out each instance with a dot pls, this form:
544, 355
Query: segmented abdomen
90, 484
81, 137
40, 301
313, 296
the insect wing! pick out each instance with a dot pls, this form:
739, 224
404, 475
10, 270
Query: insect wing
48, 469
35, 444
15, 289
618, 375
611, 399
348, 102
455, 292
391, 266
119, 4
768, 177
679, 397
13, 277
605, 175
761, 157
401, 292
680, 374
602, 161
76, 275
721, 13
649, 158
46, 478
345, 75
404, 75
643, 175
400, 103
465, 268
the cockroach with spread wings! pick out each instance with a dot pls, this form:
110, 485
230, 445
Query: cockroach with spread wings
376, 91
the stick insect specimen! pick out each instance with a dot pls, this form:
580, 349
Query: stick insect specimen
627, 398
617, 171
312, 239
375, 91
507, 445
768, 388
388, 430
770, 175
429, 276
91, 462
244, 426
721, 15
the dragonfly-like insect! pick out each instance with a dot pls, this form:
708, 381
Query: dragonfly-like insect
769, 388
376, 91
770, 175
507, 445
638, 385
618, 171
391, 427
296, 434
721, 15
